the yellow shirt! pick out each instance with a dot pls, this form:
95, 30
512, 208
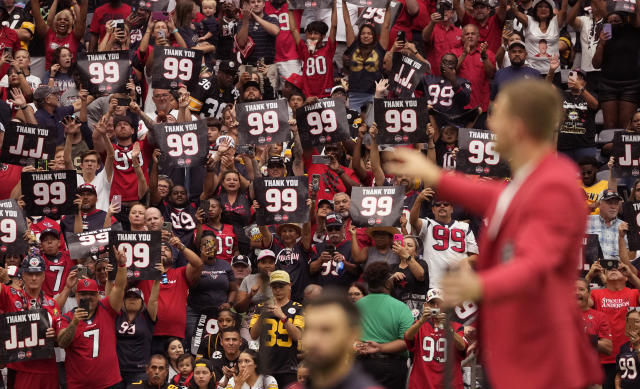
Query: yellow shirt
593, 193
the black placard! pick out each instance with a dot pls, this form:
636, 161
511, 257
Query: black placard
173, 66
406, 73
49, 193
184, 144
477, 155
401, 121
207, 325
86, 244
322, 123
105, 72
591, 252
631, 212
142, 250
369, 3
25, 143
375, 16
263, 122
282, 200
12, 228
625, 152
23, 336
311, 4
376, 207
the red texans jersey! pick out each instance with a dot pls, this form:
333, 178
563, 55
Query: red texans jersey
125, 181
285, 44
9, 176
227, 241
172, 310
596, 325
317, 68
40, 224
58, 268
15, 300
91, 360
430, 353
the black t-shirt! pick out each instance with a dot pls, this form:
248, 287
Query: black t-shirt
183, 220
265, 44
411, 291
294, 261
211, 290
621, 54
227, 30
329, 274
90, 222
212, 343
444, 155
363, 72
133, 341
578, 129
219, 359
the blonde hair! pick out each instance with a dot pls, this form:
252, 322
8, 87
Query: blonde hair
60, 14
212, 2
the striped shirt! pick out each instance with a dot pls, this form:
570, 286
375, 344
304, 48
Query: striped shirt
265, 44
607, 235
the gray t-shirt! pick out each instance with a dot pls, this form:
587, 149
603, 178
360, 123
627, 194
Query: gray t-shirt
249, 282
374, 256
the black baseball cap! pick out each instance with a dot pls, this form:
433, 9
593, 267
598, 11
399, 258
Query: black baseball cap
333, 219
609, 194
275, 160
249, 84
33, 264
229, 67
49, 231
86, 188
240, 260
325, 201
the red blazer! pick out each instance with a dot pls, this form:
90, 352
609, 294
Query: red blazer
530, 326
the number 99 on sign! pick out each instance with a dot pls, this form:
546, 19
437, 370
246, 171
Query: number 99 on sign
479, 150
137, 254
381, 206
285, 200
104, 72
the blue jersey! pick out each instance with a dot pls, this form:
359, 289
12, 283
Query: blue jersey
627, 366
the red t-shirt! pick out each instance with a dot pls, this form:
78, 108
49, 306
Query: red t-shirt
172, 303
330, 182
614, 305
52, 42
429, 348
9, 176
410, 24
596, 324
103, 14
14, 300
44, 223
285, 44
473, 70
226, 241
57, 272
125, 180
442, 42
317, 68
91, 360
490, 32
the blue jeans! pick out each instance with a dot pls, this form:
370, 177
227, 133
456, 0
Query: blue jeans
358, 99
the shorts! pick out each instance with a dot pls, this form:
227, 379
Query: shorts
612, 90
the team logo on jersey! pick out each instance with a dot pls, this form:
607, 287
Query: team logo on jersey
18, 304
216, 355
21, 355
291, 311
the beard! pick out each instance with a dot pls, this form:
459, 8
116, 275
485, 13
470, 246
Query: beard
517, 64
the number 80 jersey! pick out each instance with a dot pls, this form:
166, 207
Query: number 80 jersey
445, 246
627, 366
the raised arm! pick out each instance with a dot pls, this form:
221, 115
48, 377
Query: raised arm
572, 16
243, 34
42, 28
81, 20
194, 267
116, 295
152, 305
293, 27
374, 156
333, 30
562, 13
348, 28
385, 28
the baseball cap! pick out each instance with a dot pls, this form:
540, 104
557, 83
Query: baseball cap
481, 2
43, 91
87, 285
229, 67
135, 291
122, 118
295, 79
325, 201
516, 43
49, 231
609, 194
249, 84
279, 276
338, 88
240, 260
434, 293
87, 188
29, 27
265, 254
333, 219
33, 264
275, 160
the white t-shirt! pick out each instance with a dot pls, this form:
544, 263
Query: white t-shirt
539, 53
103, 187
445, 246
263, 382
589, 38
33, 81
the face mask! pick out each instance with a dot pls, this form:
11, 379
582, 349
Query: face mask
311, 44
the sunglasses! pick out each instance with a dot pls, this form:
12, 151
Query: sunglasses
441, 204
334, 228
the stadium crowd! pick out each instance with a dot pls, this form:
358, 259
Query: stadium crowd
320, 304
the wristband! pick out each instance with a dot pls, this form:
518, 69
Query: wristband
123, 265
283, 320
174, 31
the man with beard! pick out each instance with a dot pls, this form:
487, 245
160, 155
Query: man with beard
221, 90
251, 91
335, 177
596, 324
331, 261
137, 22
341, 205
518, 69
157, 371
448, 94
181, 213
88, 218
332, 328
112, 10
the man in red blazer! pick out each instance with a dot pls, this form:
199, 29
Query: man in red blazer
531, 335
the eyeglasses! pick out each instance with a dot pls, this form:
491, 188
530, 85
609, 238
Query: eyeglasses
441, 204
334, 228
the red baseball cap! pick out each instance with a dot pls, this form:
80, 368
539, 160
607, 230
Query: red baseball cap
87, 285
296, 80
